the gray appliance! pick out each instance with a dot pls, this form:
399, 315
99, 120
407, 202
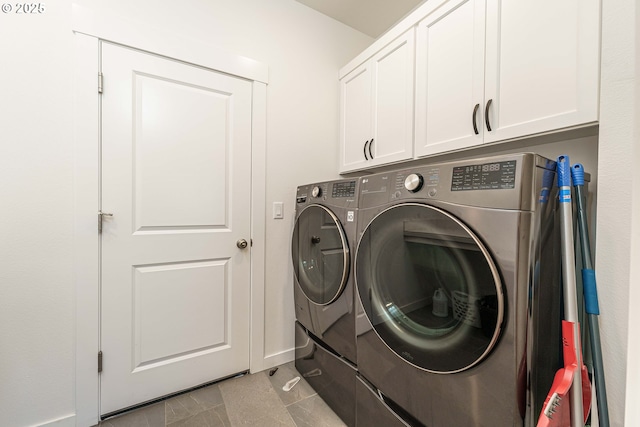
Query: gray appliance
331, 376
457, 270
372, 410
322, 252
324, 294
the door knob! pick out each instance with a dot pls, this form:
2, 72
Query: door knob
242, 244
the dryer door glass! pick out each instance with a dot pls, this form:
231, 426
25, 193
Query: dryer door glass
320, 254
429, 288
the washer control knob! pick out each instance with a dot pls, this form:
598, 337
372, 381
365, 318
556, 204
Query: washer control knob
316, 192
413, 182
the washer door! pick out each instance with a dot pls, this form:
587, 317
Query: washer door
429, 288
320, 254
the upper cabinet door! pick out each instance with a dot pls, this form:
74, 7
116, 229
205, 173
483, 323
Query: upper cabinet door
376, 123
356, 119
393, 71
450, 77
542, 66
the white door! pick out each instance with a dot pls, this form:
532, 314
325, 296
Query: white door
176, 148
393, 71
355, 120
450, 78
542, 62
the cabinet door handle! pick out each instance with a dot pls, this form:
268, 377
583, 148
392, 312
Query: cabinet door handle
486, 115
370, 153
365, 150
473, 118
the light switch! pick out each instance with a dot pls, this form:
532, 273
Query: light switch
278, 210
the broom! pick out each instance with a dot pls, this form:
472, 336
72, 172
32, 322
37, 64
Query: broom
590, 296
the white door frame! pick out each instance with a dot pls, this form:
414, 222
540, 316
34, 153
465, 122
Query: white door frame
89, 29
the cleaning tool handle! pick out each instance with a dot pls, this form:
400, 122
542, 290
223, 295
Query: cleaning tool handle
590, 297
585, 245
564, 174
577, 174
569, 280
590, 291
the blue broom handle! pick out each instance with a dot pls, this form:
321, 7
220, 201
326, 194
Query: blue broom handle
590, 296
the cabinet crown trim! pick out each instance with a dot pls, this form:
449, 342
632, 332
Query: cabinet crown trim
393, 33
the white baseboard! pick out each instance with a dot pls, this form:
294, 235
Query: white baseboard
276, 359
68, 421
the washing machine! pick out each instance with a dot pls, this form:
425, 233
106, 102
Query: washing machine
457, 271
324, 294
331, 376
322, 252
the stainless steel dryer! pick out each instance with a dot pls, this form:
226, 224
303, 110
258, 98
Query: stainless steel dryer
322, 251
372, 410
457, 270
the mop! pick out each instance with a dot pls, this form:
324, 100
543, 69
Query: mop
590, 296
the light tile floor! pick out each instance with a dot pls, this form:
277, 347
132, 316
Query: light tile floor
250, 400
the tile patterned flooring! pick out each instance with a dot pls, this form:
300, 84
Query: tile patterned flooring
250, 400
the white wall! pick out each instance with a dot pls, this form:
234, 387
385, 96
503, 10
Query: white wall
303, 50
618, 251
36, 283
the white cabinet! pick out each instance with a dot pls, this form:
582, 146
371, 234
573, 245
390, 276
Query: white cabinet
492, 70
542, 66
450, 77
356, 118
376, 123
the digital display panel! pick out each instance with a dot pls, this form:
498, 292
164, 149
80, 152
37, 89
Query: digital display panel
343, 189
488, 176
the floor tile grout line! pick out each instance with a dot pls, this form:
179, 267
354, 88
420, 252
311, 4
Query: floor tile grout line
286, 407
185, 403
298, 401
201, 406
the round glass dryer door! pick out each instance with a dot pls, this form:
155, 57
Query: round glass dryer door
320, 254
429, 288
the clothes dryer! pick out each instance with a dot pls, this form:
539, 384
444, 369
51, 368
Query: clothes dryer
457, 271
372, 410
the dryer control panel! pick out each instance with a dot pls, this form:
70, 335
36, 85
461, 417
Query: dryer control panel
487, 176
498, 182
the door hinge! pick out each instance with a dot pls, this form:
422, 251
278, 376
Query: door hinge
101, 216
99, 361
99, 82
